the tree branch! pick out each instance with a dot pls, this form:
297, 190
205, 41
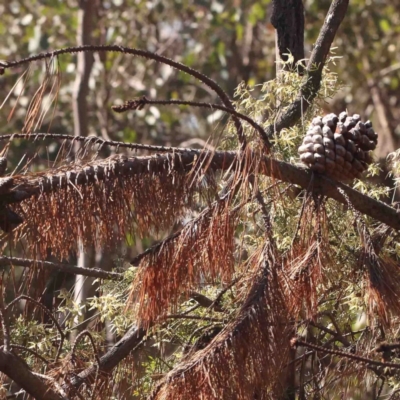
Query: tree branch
206, 302
195, 317
138, 104
87, 140
113, 357
49, 314
316, 63
140, 53
31, 351
25, 186
73, 269
355, 357
16, 370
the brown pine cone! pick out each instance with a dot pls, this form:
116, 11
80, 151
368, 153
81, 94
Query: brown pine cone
339, 146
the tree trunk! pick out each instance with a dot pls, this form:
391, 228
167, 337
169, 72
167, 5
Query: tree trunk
86, 23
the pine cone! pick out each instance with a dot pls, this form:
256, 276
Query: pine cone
339, 146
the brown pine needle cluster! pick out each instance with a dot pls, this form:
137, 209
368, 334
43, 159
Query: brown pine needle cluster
250, 353
202, 252
103, 210
382, 286
303, 270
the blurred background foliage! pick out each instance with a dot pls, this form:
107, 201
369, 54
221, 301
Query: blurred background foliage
230, 41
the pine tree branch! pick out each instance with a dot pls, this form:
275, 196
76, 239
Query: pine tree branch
254, 303
195, 317
206, 302
115, 167
87, 140
147, 55
316, 63
73, 269
138, 104
355, 357
133, 337
16, 370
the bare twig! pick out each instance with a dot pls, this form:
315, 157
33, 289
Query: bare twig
224, 290
28, 350
141, 53
334, 334
97, 140
79, 338
73, 269
204, 301
339, 333
355, 357
197, 317
138, 104
133, 337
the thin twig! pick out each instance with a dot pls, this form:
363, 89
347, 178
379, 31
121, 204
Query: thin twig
98, 140
205, 301
28, 350
73, 269
197, 317
224, 290
132, 339
79, 338
355, 357
48, 313
138, 104
141, 53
